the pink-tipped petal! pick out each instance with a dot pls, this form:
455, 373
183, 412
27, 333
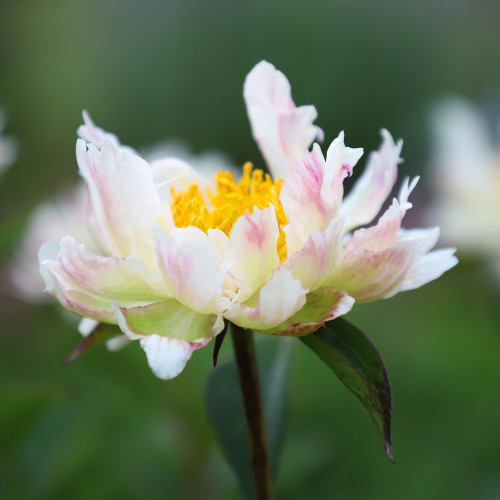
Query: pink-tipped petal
311, 195
69, 292
322, 305
387, 230
370, 191
368, 275
251, 252
314, 264
302, 201
86, 283
282, 131
126, 278
92, 134
281, 297
123, 197
190, 268
340, 161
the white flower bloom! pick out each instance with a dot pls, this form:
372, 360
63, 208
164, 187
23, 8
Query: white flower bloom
276, 256
466, 167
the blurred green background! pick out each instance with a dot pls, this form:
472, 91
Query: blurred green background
105, 427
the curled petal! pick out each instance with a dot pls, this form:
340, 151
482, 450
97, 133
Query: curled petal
369, 275
92, 134
69, 292
375, 184
251, 252
167, 357
387, 230
322, 305
427, 266
312, 193
85, 283
124, 199
302, 201
168, 318
314, 264
128, 278
282, 131
190, 268
281, 297
340, 161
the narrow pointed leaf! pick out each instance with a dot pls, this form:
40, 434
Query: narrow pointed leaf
100, 334
224, 405
360, 367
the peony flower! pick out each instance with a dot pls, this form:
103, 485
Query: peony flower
466, 162
178, 257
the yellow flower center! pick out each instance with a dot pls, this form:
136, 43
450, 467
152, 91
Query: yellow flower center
230, 200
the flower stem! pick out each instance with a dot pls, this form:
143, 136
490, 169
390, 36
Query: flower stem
246, 361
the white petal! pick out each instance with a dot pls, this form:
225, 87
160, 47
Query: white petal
87, 326
127, 278
166, 357
429, 267
168, 318
322, 305
190, 268
311, 195
251, 252
375, 184
278, 299
282, 131
89, 132
316, 261
124, 199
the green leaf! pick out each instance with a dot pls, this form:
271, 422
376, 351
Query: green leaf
357, 363
224, 405
100, 334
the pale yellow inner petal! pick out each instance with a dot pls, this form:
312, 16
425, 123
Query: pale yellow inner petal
228, 201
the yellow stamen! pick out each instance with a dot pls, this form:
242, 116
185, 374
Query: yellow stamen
230, 200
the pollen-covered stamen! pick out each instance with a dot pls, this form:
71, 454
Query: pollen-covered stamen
228, 201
